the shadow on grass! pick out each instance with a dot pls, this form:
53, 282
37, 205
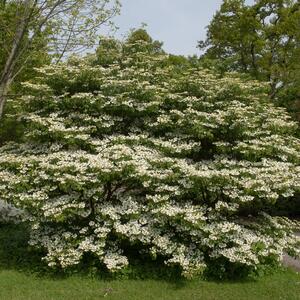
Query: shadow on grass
16, 254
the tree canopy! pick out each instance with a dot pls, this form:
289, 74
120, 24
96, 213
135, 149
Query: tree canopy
262, 40
61, 25
38, 51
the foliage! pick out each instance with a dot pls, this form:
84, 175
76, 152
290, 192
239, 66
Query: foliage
58, 26
111, 51
35, 56
38, 51
67, 25
262, 40
14, 250
139, 156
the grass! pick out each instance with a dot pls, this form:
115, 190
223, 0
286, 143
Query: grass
19, 286
21, 279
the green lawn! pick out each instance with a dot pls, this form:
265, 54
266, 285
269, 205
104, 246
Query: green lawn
20, 279
19, 286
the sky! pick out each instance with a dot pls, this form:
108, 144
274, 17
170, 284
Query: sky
179, 24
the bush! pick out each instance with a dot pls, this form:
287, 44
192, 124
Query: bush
15, 252
179, 165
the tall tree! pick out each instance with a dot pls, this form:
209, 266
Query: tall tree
70, 25
38, 50
112, 51
260, 39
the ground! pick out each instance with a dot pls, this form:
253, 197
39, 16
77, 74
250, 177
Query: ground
284, 285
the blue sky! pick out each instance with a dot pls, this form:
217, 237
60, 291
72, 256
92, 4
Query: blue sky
177, 23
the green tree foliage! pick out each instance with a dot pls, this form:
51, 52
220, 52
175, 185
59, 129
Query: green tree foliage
134, 158
35, 56
67, 25
108, 52
140, 37
112, 51
262, 40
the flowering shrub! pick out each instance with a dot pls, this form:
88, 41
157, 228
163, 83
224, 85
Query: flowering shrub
180, 165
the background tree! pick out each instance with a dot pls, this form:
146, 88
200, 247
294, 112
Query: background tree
108, 51
261, 40
141, 38
37, 56
68, 25
112, 51
38, 50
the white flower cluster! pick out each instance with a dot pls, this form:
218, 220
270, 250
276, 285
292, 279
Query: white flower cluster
139, 154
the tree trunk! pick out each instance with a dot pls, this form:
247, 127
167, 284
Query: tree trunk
253, 62
4, 87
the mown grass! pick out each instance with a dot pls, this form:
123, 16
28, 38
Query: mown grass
23, 277
16, 285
